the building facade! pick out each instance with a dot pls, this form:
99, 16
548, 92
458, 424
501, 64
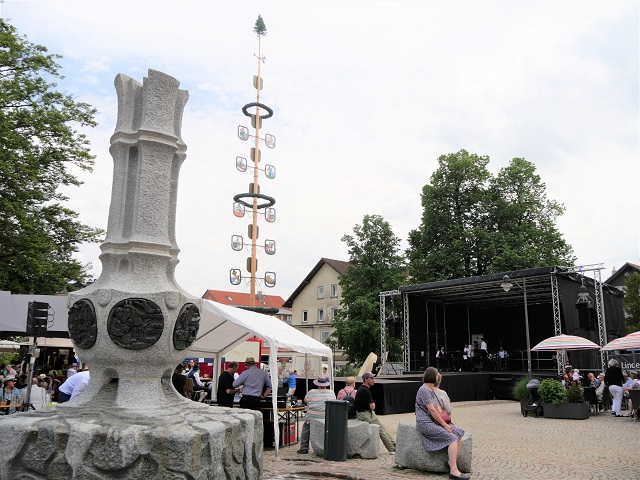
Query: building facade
316, 301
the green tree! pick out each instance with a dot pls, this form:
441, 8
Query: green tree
523, 221
449, 241
38, 234
476, 224
375, 265
631, 303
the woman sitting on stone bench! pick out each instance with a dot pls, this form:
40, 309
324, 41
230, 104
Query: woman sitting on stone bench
436, 433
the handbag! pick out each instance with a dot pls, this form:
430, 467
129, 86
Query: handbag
443, 414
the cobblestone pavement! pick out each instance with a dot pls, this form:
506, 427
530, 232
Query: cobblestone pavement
506, 446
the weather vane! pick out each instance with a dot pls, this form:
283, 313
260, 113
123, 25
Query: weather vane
258, 203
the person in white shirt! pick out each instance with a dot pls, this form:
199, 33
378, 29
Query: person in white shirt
72, 370
38, 396
73, 386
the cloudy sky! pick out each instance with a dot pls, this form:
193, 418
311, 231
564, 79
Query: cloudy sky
367, 95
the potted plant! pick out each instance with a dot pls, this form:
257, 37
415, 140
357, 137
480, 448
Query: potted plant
555, 398
521, 393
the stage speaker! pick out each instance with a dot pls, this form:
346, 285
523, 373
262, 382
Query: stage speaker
586, 317
37, 318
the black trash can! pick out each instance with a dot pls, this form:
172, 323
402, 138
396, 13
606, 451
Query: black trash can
335, 430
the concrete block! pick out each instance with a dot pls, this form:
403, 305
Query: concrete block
410, 453
363, 439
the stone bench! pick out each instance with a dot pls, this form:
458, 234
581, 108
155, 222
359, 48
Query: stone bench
363, 439
410, 453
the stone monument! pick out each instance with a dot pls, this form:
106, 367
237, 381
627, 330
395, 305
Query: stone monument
132, 326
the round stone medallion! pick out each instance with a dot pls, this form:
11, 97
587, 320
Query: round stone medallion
135, 323
186, 328
83, 324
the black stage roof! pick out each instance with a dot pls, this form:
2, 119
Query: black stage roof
485, 290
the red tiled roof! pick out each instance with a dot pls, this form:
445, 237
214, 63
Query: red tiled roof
242, 299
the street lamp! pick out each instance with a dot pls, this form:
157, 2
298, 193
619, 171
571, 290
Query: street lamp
506, 286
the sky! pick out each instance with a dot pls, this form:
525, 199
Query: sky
366, 96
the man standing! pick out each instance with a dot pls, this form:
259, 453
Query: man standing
253, 381
290, 382
226, 392
73, 386
315, 400
365, 407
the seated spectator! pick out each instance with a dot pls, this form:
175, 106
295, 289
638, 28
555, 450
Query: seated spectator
442, 396
600, 387
315, 400
632, 384
365, 407
567, 376
593, 381
178, 379
72, 370
11, 394
194, 374
38, 397
349, 389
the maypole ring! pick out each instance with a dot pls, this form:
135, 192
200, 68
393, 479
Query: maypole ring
239, 198
257, 104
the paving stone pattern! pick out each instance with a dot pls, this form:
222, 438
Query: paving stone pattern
506, 446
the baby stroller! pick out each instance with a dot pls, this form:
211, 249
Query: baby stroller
534, 404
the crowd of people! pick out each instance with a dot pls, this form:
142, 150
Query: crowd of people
15, 394
617, 382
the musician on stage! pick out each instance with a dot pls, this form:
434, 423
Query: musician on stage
441, 359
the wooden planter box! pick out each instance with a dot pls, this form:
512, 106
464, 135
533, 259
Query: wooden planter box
570, 411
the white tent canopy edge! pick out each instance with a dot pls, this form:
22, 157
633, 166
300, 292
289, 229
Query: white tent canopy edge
223, 327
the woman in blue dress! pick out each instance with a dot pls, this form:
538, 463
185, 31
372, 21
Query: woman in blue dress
436, 433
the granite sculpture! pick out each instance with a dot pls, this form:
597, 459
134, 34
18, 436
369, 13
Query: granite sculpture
132, 326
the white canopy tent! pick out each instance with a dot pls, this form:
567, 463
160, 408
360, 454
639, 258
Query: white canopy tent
222, 327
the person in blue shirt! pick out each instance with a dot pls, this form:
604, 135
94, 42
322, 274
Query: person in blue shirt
290, 382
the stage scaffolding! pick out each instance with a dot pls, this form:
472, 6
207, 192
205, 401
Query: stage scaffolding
485, 291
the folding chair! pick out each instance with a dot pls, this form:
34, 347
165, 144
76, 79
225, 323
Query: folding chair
590, 396
188, 388
606, 399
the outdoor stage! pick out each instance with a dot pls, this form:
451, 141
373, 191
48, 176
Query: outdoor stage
397, 393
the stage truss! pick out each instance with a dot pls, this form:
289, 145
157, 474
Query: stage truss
541, 288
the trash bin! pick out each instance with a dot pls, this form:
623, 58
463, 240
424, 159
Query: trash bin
335, 430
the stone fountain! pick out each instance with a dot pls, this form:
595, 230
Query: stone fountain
132, 326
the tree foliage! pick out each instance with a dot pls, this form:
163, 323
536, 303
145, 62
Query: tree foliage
260, 28
631, 303
38, 234
474, 223
375, 265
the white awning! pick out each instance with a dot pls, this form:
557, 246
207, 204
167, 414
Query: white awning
222, 327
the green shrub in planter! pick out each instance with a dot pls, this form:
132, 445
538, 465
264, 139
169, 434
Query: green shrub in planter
575, 394
552, 391
520, 390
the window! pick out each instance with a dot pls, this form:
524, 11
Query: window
334, 290
320, 315
334, 313
324, 336
320, 292
305, 316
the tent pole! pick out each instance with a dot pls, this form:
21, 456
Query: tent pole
306, 375
273, 372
